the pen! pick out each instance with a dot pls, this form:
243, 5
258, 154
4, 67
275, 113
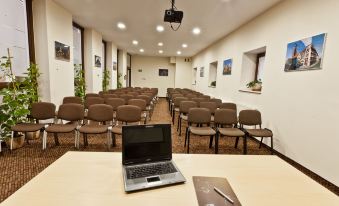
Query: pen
222, 194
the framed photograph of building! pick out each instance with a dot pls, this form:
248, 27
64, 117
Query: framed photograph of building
305, 54
97, 61
62, 51
227, 67
201, 71
163, 72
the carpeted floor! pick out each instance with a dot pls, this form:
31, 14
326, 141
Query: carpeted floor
19, 166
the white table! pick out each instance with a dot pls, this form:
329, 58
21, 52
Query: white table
95, 178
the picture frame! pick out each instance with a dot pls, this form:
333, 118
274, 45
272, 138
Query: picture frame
62, 51
305, 54
115, 66
97, 61
163, 72
227, 67
201, 71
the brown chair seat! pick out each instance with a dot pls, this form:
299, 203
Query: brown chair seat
27, 127
231, 132
94, 129
61, 128
259, 132
117, 129
203, 131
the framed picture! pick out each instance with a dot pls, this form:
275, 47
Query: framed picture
227, 67
115, 66
62, 51
163, 72
97, 61
201, 71
305, 54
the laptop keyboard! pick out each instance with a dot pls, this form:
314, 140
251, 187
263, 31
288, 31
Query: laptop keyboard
150, 170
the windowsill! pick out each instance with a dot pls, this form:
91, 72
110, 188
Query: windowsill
249, 91
212, 86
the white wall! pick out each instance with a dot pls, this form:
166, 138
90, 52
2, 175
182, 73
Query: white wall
149, 77
300, 107
111, 56
92, 47
53, 23
183, 73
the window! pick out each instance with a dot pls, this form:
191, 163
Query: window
78, 44
212, 77
253, 70
194, 76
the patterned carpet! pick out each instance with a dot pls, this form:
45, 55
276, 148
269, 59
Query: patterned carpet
19, 166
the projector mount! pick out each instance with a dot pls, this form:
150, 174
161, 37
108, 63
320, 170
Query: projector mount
173, 16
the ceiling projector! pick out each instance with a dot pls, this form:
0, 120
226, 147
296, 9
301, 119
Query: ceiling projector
173, 16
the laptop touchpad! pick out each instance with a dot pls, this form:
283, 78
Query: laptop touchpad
153, 179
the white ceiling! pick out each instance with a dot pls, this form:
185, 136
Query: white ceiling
216, 18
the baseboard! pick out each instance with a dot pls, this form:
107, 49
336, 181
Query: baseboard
327, 184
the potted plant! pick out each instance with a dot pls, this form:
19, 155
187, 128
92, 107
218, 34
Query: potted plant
79, 82
105, 80
119, 84
213, 83
255, 85
15, 104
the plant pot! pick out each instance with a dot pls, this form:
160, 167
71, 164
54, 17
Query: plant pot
256, 87
33, 135
18, 142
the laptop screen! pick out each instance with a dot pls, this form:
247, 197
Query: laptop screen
146, 143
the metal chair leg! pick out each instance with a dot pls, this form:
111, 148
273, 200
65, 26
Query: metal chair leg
188, 142
245, 144
211, 141
216, 143
260, 142
236, 143
12, 138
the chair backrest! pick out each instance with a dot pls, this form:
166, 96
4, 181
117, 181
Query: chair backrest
146, 98
138, 102
250, 117
228, 105
71, 112
212, 106
190, 96
93, 100
126, 97
115, 102
185, 106
72, 99
91, 95
134, 94
225, 117
178, 100
198, 100
218, 101
106, 96
128, 113
43, 110
100, 113
205, 97
112, 91
199, 116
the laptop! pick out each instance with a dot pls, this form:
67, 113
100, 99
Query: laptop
147, 157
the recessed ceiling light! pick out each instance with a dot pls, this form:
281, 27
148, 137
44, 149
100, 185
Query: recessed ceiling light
141, 50
196, 31
121, 25
160, 28
160, 44
184, 45
178, 52
161, 51
135, 42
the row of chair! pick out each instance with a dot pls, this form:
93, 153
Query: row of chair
215, 119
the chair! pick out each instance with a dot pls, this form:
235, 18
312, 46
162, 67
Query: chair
198, 100
125, 114
228, 105
115, 103
218, 101
148, 104
190, 96
253, 118
72, 99
184, 107
212, 106
176, 104
142, 105
91, 95
106, 96
201, 117
126, 97
226, 125
100, 113
93, 100
74, 113
205, 97
39, 111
